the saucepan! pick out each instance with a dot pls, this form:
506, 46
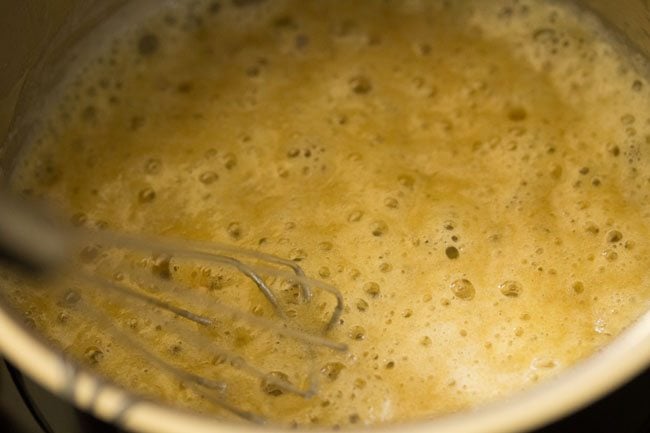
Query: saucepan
35, 41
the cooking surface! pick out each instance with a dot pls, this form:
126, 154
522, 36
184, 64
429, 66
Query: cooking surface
472, 179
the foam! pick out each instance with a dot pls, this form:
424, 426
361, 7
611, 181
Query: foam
472, 176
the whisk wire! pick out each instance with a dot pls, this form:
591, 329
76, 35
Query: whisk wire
29, 227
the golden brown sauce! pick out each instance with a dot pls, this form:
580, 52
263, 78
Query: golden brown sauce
471, 175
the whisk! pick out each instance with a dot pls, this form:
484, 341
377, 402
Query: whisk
184, 280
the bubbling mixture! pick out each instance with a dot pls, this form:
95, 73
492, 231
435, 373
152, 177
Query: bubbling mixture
473, 176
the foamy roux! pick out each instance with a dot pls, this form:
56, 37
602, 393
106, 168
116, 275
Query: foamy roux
473, 177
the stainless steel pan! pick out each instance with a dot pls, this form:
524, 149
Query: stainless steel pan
36, 37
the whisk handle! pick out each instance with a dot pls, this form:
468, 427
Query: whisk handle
29, 237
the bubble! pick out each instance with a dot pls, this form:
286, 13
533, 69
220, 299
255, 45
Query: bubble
272, 383
511, 288
391, 202
591, 227
93, 355
185, 87
234, 230
46, 173
425, 341
613, 149
89, 114
556, 171
354, 156
544, 363
584, 170
89, 253
208, 177
360, 85
293, 153
253, 71
385, 267
147, 195
578, 287
355, 216
406, 181
79, 219
325, 246
324, 272
297, 255
610, 255
214, 7
544, 35
63, 317
463, 289
72, 297
243, 336
379, 228
359, 383
283, 172
284, 21
452, 253
372, 289
357, 333
210, 153
301, 41
614, 236
332, 370
637, 85
229, 161
423, 49
176, 349
517, 114
362, 305
148, 44
627, 119
390, 365
600, 326
137, 122
161, 266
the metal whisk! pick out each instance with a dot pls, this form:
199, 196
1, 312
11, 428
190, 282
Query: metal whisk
206, 292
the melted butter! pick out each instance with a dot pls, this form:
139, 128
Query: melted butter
472, 178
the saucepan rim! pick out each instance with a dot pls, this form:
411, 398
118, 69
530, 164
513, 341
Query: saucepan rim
619, 361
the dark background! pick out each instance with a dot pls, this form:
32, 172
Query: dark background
626, 410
